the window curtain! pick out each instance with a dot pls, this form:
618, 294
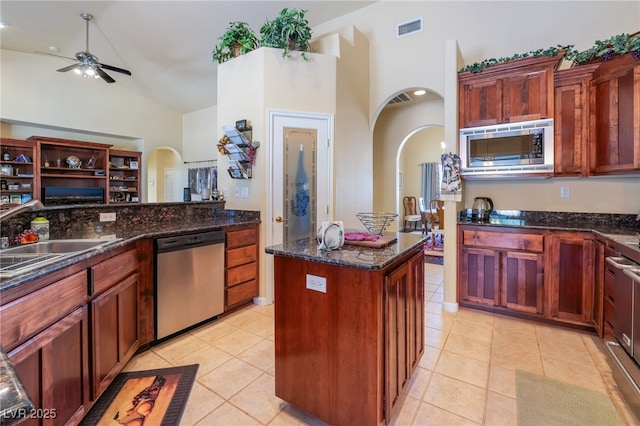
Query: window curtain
430, 182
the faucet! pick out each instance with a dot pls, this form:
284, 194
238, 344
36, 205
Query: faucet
32, 206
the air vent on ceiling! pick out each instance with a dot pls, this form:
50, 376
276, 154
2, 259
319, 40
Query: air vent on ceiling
402, 97
409, 27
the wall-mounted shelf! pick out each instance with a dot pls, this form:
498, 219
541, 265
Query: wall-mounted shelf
238, 151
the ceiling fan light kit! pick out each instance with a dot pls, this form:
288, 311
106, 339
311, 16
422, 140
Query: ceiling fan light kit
88, 65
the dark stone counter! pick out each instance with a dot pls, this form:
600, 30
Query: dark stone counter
132, 222
622, 229
350, 255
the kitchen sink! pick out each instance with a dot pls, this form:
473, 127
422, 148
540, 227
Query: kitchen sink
22, 259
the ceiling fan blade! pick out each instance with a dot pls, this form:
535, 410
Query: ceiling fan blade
69, 68
116, 69
104, 75
57, 56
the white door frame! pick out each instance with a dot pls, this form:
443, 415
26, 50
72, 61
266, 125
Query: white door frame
277, 119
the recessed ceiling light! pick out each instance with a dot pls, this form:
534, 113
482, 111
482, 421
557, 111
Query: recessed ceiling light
419, 92
53, 48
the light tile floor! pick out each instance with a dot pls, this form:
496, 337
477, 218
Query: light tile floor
466, 375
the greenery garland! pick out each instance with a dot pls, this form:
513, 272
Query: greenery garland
601, 50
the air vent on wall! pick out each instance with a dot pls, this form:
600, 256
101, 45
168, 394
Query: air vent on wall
402, 97
409, 27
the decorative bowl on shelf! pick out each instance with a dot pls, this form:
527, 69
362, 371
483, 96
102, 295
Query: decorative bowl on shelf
74, 162
376, 223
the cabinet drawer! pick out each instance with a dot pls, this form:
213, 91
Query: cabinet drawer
528, 242
242, 255
242, 292
114, 270
27, 315
241, 274
241, 238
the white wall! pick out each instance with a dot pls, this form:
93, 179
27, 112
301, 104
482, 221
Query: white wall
35, 97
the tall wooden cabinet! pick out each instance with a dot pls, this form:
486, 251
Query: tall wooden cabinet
615, 116
571, 120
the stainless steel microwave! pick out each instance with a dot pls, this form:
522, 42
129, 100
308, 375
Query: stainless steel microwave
507, 149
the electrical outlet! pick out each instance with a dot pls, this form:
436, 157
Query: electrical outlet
564, 192
244, 192
225, 192
107, 217
238, 192
316, 283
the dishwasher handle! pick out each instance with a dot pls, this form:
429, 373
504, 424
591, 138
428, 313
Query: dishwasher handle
181, 242
620, 262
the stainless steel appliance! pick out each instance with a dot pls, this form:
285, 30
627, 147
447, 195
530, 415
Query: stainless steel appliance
624, 303
189, 281
505, 149
481, 209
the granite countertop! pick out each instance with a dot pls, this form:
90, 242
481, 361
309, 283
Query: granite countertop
622, 229
350, 255
128, 230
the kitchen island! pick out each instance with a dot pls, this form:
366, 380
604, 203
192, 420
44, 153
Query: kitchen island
349, 327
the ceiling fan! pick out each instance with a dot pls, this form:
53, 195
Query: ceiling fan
88, 64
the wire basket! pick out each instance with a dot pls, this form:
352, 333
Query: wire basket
376, 223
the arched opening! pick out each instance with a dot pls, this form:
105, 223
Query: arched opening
166, 175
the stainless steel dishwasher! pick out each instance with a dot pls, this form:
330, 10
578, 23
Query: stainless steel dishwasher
189, 281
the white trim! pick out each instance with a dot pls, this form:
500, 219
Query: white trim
450, 307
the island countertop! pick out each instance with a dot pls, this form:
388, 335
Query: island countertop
350, 255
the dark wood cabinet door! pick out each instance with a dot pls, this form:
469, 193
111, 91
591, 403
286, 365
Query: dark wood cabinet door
570, 276
479, 280
526, 96
571, 121
115, 331
53, 366
597, 316
615, 116
523, 281
415, 312
396, 361
480, 102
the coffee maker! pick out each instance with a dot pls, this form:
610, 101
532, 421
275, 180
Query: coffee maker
481, 209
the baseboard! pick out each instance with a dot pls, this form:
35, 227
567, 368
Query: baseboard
261, 301
450, 307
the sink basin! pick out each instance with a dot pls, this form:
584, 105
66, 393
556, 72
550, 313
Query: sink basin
56, 246
22, 259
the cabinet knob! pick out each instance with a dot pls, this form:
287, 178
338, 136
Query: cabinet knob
279, 219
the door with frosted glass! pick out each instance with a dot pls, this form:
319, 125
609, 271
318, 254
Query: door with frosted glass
300, 189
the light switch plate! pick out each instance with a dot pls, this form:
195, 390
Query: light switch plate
316, 283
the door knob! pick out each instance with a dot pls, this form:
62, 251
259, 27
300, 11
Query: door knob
279, 219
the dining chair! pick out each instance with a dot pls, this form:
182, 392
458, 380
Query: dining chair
425, 216
410, 213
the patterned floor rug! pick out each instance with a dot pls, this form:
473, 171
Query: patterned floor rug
151, 397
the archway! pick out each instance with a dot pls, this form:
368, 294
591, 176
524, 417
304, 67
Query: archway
166, 175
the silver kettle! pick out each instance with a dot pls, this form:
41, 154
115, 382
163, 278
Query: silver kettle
481, 209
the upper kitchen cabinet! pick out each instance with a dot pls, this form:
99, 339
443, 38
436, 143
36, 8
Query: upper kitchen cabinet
615, 117
571, 118
124, 176
71, 171
520, 90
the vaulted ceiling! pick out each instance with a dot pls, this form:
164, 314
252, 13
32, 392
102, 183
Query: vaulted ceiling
165, 44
